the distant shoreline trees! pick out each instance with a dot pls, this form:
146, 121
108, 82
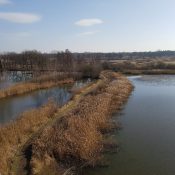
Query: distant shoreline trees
88, 64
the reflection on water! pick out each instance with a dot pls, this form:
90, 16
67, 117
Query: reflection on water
147, 139
9, 78
81, 83
163, 80
12, 107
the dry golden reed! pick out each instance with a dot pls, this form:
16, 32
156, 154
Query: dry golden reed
77, 138
16, 133
73, 137
42, 82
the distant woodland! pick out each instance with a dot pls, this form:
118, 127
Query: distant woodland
88, 63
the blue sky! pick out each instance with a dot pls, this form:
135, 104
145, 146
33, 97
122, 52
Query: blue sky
87, 25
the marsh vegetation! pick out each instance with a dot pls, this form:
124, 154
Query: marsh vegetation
86, 116
62, 125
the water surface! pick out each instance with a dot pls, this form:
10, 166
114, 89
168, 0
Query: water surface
147, 142
12, 107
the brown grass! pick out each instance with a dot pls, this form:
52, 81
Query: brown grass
150, 72
52, 77
42, 82
76, 139
70, 137
155, 66
16, 133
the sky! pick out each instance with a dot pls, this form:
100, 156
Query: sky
87, 25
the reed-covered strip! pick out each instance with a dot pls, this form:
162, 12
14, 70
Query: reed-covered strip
41, 82
14, 134
57, 139
76, 139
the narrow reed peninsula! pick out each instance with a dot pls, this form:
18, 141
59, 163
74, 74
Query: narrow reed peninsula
53, 140
80, 82
41, 82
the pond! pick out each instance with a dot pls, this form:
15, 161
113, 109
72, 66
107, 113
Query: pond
147, 143
12, 107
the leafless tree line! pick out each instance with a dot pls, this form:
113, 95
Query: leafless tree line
36, 61
60, 62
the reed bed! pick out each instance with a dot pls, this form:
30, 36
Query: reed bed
13, 135
16, 134
55, 141
77, 138
42, 82
53, 77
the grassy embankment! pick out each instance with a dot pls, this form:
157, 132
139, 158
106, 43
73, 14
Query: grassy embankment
76, 138
42, 82
47, 140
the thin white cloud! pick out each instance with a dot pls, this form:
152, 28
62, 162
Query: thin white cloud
88, 22
88, 33
15, 34
4, 2
19, 17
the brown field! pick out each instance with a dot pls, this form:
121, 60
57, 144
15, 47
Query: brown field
144, 66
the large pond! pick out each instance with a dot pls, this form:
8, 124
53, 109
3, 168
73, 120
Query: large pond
147, 142
12, 107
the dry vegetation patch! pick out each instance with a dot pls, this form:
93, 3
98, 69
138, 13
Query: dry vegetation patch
13, 135
59, 141
76, 139
42, 82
